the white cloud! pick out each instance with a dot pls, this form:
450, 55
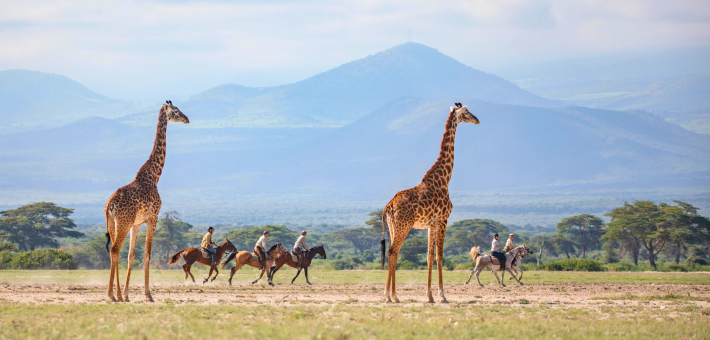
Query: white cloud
144, 49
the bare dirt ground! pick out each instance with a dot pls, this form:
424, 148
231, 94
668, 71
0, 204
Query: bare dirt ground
582, 296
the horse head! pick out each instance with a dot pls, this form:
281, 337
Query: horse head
230, 246
319, 250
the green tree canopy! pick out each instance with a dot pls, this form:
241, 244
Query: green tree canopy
584, 230
643, 221
464, 234
375, 222
412, 248
361, 238
245, 239
37, 225
171, 234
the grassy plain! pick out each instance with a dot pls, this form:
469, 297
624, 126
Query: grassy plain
318, 275
348, 305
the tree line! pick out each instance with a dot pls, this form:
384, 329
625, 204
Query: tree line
635, 231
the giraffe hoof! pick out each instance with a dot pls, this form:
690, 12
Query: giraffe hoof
431, 300
149, 298
444, 301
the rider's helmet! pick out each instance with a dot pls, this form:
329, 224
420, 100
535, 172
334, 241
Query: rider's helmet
210, 228
495, 234
303, 232
266, 232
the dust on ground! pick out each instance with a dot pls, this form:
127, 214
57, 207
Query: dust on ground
584, 296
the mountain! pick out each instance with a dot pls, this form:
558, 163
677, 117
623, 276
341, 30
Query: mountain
31, 100
351, 91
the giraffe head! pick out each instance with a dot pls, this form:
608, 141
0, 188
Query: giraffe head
174, 114
463, 115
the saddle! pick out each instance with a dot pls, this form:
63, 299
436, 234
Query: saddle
205, 253
294, 256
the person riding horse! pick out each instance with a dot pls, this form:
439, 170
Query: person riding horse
509, 243
495, 251
260, 250
208, 245
300, 248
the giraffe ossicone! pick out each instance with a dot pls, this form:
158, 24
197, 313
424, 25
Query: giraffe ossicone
137, 203
426, 206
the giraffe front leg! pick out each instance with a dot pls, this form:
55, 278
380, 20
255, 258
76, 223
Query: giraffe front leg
131, 257
152, 223
441, 232
430, 262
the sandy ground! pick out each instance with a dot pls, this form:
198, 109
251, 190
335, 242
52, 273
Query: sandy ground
561, 295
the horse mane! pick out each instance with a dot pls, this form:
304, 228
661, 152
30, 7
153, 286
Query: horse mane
230, 258
273, 247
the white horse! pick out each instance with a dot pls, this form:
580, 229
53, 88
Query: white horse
518, 262
485, 260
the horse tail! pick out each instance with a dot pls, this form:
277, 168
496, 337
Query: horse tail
474, 253
384, 224
230, 258
176, 257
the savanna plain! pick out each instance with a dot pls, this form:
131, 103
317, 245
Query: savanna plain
349, 305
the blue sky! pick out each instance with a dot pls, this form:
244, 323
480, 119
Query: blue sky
139, 50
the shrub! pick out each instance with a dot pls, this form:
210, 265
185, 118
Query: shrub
622, 267
676, 267
408, 265
42, 259
342, 265
580, 265
696, 261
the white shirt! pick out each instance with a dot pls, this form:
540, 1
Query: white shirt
261, 242
509, 243
300, 243
494, 245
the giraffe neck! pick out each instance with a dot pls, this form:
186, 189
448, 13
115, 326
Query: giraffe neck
440, 173
152, 169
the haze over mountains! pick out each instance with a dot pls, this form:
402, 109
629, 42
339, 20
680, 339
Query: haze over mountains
339, 144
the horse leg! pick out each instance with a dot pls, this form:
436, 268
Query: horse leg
478, 272
495, 272
516, 279
259, 278
216, 273
305, 272
521, 274
233, 270
294, 278
208, 276
470, 276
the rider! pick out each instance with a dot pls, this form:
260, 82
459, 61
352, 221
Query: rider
300, 244
495, 251
509, 243
260, 250
208, 245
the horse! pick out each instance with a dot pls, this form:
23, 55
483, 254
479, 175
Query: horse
515, 266
245, 257
485, 260
317, 250
192, 255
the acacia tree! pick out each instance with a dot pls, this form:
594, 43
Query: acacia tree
685, 227
375, 222
361, 238
584, 230
642, 221
37, 225
464, 234
170, 234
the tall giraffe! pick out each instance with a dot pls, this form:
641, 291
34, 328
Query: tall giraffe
425, 206
137, 203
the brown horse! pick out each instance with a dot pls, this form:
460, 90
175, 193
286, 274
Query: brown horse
317, 250
245, 257
192, 255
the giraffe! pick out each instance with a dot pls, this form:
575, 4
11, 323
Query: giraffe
137, 203
425, 206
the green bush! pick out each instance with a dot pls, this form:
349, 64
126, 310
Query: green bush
622, 267
696, 261
342, 265
580, 265
38, 259
676, 267
408, 265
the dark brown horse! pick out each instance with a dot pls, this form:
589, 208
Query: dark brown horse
317, 250
192, 255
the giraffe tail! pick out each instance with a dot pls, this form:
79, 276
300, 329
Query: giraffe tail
383, 243
176, 257
108, 242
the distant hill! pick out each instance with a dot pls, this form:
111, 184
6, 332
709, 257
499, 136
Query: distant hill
353, 90
31, 100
